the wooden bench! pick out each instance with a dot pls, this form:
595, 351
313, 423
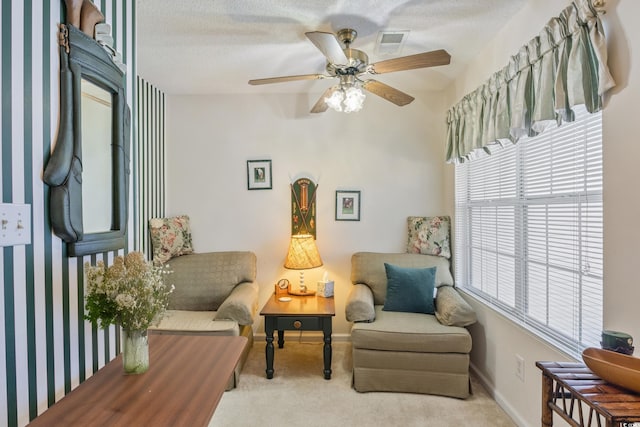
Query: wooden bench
582, 399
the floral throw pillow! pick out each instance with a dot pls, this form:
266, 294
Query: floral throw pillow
170, 237
429, 236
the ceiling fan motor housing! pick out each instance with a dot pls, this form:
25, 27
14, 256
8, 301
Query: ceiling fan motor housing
358, 61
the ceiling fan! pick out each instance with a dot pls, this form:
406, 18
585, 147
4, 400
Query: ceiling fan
351, 65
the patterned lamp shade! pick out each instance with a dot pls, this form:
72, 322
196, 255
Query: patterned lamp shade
303, 253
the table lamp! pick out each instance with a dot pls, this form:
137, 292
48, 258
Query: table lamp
303, 254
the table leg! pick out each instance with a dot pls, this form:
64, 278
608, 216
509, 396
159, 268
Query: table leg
280, 339
547, 396
326, 329
269, 325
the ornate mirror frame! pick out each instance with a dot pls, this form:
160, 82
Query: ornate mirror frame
81, 57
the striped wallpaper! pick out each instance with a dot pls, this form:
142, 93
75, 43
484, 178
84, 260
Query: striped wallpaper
46, 347
148, 158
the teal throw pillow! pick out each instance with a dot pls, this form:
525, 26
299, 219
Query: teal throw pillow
410, 289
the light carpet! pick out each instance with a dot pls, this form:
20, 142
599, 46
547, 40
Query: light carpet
298, 395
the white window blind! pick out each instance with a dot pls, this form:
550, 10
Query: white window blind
529, 232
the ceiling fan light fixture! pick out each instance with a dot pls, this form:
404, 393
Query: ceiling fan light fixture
335, 100
353, 99
346, 99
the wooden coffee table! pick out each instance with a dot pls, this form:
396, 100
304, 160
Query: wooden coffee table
302, 313
186, 378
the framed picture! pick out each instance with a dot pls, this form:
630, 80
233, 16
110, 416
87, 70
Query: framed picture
259, 174
347, 205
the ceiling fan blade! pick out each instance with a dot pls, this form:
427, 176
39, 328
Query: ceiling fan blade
387, 92
286, 79
329, 46
420, 60
321, 106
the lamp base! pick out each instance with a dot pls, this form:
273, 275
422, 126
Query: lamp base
299, 292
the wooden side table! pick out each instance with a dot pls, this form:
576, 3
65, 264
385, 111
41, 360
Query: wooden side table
302, 313
582, 399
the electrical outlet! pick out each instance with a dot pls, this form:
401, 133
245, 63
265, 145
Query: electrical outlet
520, 367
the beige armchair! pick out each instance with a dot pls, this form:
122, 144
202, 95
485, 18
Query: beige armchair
407, 351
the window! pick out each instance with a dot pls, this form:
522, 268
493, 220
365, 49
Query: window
529, 232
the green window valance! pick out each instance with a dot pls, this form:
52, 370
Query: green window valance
565, 65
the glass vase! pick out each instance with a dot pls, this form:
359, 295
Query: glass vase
135, 351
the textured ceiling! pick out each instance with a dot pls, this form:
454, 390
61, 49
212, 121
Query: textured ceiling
216, 46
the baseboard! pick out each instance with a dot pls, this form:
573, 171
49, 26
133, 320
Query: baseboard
500, 400
304, 336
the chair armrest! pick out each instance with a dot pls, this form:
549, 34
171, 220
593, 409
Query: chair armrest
452, 309
359, 307
241, 304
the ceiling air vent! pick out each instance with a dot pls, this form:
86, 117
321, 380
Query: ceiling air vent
391, 42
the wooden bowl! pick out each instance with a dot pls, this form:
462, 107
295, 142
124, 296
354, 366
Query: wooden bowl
615, 368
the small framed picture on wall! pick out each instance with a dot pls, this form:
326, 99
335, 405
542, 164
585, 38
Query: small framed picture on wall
347, 205
259, 174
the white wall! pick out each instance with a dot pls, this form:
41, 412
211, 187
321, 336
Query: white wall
393, 155
496, 340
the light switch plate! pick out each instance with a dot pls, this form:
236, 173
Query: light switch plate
15, 224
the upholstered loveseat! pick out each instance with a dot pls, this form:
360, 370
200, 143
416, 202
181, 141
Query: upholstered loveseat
215, 292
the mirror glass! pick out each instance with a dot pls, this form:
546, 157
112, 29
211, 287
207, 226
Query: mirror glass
97, 200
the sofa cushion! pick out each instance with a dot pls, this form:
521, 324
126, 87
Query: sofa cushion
203, 281
414, 332
195, 323
429, 235
368, 268
409, 289
170, 237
